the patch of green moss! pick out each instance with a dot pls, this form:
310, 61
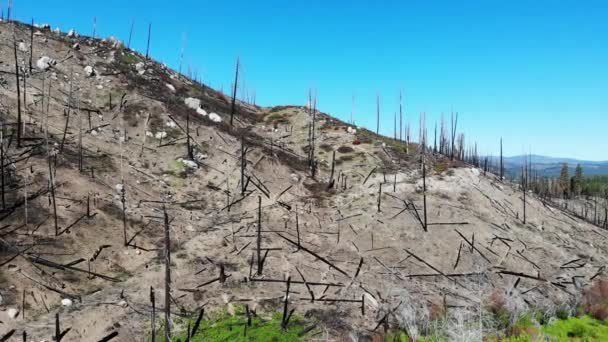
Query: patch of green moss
129, 58
225, 327
178, 168
583, 328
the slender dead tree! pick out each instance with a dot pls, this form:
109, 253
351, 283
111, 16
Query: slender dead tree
502, 170
435, 138
67, 119
181, 54
167, 278
454, 125
285, 318
148, 44
2, 169
18, 93
188, 145
377, 113
524, 183
123, 199
333, 166
236, 81
395, 126
259, 239
352, 111
31, 44
312, 137
400, 116
379, 197
424, 193
153, 320
243, 166
131, 34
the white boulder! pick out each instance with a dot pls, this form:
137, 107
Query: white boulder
66, 302
12, 313
72, 33
201, 111
119, 188
160, 135
22, 47
215, 118
189, 164
193, 103
351, 130
140, 68
89, 71
171, 87
45, 62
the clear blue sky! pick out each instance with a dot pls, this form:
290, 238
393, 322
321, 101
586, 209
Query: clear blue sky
534, 72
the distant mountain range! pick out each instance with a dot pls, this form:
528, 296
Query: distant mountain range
551, 166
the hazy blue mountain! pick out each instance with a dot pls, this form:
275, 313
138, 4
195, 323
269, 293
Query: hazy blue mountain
551, 166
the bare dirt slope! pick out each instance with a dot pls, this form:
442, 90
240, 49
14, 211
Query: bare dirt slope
129, 122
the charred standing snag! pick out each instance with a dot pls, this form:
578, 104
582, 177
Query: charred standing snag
243, 166
31, 46
259, 238
148, 44
377, 113
333, 166
130, 35
153, 320
379, 196
424, 194
285, 318
502, 170
167, 278
236, 81
18, 93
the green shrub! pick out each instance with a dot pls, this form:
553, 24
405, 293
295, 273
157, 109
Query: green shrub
225, 327
577, 328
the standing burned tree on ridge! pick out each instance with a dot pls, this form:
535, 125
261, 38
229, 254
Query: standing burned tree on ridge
236, 81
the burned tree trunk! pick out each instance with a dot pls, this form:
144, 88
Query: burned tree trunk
52, 188
31, 45
188, 145
379, 197
153, 323
2, 171
18, 93
377, 113
259, 238
524, 184
454, 125
333, 166
67, 119
123, 199
502, 170
236, 81
130, 34
148, 44
424, 193
400, 118
167, 278
243, 166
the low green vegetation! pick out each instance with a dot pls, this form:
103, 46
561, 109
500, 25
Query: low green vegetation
222, 326
583, 328
595, 186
